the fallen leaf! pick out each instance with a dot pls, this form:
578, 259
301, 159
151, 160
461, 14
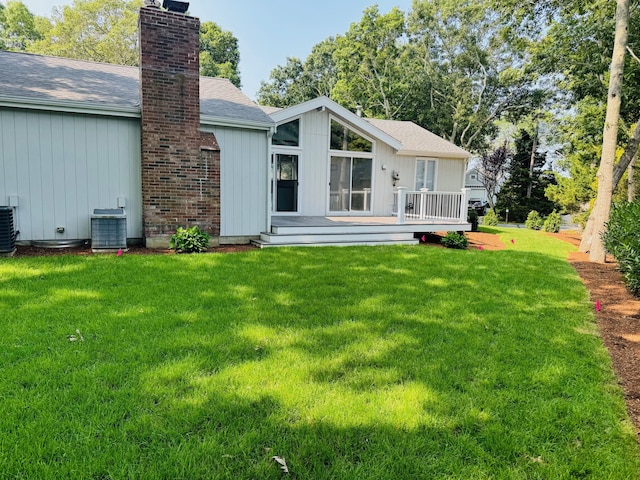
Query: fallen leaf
282, 463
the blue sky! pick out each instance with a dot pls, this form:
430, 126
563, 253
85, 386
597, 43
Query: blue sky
269, 31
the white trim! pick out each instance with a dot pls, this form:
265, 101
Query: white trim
444, 155
69, 106
345, 115
209, 120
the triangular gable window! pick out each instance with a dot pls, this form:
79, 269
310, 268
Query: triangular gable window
345, 139
287, 134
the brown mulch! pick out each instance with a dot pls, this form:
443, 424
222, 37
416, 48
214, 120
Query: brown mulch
618, 318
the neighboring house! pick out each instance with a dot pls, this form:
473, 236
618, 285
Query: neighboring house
477, 191
175, 149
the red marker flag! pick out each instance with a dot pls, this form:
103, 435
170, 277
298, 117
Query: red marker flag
598, 305
119, 254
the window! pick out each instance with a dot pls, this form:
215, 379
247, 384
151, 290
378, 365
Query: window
345, 139
425, 174
287, 134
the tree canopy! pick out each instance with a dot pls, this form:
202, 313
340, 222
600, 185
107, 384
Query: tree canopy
105, 31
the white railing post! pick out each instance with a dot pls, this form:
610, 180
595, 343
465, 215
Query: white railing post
402, 202
464, 206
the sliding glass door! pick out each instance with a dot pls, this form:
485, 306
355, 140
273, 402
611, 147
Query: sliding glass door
350, 184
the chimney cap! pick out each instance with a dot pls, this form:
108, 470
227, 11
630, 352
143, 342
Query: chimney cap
175, 6
152, 3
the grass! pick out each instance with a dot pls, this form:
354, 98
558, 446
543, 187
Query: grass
373, 363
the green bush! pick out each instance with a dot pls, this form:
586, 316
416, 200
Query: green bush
472, 218
490, 218
552, 222
622, 240
455, 240
533, 221
189, 240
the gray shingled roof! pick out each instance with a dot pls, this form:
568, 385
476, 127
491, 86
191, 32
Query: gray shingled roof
417, 140
55, 79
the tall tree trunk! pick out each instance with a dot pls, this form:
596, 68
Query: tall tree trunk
532, 160
631, 186
591, 241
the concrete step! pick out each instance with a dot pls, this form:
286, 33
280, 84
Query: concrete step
310, 238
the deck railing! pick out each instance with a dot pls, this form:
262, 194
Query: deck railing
430, 206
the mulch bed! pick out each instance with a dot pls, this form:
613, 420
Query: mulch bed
618, 318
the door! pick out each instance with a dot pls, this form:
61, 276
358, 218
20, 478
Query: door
350, 184
286, 183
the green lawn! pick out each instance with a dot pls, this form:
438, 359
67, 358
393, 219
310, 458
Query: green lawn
351, 363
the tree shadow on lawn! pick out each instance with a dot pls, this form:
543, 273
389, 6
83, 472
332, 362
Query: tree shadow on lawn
407, 363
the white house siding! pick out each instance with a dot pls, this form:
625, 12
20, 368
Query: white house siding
243, 182
450, 175
62, 166
314, 164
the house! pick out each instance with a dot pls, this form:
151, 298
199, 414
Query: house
171, 148
477, 191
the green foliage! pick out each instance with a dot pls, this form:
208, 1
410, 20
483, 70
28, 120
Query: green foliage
18, 27
189, 240
219, 54
622, 239
523, 191
490, 218
552, 223
472, 218
534, 221
97, 30
455, 240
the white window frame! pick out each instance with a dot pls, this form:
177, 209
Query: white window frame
435, 172
352, 155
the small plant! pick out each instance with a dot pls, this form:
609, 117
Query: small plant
472, 218
534, 221
189, 240
455, 240
552, 222
490, 219
621, 240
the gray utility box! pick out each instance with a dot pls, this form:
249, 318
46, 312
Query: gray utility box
7, 232
108, 229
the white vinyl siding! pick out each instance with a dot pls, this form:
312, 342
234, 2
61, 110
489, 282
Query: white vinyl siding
62, 166
243, 181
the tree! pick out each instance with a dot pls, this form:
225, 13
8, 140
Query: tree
98, 30
493, 167
602, 207
371, 65
18, 27
300, 81
513, 193
219, 54
468, 72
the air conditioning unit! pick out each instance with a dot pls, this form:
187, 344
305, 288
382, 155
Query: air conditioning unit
7, 232
108, 229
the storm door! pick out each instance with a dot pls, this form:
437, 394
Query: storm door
286, 182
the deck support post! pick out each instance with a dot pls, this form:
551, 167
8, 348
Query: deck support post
402, 203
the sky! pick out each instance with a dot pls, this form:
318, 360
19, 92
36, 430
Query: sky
269, 31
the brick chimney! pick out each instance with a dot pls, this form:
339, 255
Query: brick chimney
180, 165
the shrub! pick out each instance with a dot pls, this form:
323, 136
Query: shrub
472, 218
621, 239
552, 222
490, 218
455, 240
534, 221
189, 240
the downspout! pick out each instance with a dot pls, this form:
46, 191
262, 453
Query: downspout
270, 176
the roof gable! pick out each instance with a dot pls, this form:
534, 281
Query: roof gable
345, 115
